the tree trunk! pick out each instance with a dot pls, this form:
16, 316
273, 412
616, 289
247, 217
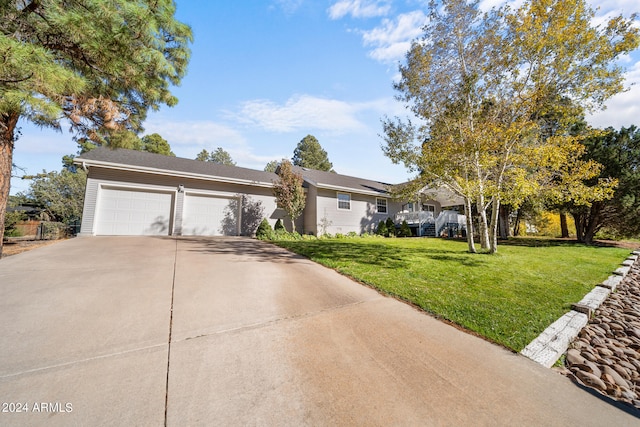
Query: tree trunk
563, 225
493, 232
516, 226
469, 220
588, 222
8, 122
503, 222
593, 222
578, 219
484, 225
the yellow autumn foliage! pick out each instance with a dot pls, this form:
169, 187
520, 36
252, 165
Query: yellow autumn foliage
548, 224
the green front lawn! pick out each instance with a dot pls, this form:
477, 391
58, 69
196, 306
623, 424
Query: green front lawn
509, 297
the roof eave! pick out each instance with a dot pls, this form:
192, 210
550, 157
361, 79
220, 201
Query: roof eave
353, 190
181, 174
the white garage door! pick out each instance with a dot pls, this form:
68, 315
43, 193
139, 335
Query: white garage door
205, 215
133, 212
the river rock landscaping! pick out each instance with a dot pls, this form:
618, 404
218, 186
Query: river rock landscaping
606, 354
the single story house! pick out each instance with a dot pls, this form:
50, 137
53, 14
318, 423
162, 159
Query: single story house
138, 193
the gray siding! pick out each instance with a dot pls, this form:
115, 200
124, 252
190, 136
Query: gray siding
258, 202
310, 212
361, 218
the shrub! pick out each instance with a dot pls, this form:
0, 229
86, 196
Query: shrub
382, 229
391, 227
340, 236
50, 230
405, 230
279, 226
284, 235
11, 219
352, 234
264, 231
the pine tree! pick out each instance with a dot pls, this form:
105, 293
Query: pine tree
310, 154
100, 66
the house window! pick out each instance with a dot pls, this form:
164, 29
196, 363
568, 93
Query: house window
344, 201
409, 207
428, 208
381, 206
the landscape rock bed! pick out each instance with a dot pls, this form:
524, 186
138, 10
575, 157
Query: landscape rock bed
606, 354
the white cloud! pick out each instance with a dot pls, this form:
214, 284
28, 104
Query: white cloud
622, 109
359, 8
288, 6
188, 138
486, 5
195, 133
302, 112
392, 39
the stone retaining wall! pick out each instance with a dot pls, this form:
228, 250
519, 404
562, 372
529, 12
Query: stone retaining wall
600, 337
554, 341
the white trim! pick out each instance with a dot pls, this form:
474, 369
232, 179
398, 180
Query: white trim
222, 194
386, 205
147, 188
338, 200
174, 173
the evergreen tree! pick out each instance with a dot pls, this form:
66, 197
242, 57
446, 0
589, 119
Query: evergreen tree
155, 143
405, 230
310, 154
203, 156
619, 154
221, 157
99, 65
272, 166
381, 230
391, 227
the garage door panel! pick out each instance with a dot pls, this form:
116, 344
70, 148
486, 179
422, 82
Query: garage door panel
208, 216
133, 212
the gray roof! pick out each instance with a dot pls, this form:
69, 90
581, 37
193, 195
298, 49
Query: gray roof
142, 159
131, 159
334, 180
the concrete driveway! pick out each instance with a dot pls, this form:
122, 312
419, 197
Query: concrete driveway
231, 331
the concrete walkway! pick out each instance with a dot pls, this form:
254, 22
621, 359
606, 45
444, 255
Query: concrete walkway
258, 337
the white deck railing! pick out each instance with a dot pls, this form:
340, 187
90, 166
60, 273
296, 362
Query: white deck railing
449, 217
420, 217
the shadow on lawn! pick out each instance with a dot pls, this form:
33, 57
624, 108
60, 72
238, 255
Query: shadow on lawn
381, 255
536, 242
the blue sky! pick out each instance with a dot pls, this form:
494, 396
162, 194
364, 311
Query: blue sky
265, 73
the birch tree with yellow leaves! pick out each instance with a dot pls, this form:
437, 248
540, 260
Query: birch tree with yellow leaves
478, 84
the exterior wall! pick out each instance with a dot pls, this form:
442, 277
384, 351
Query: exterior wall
361, 218
257, 203
310, 214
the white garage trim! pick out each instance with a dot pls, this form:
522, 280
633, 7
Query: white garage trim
134, 210
208, 213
